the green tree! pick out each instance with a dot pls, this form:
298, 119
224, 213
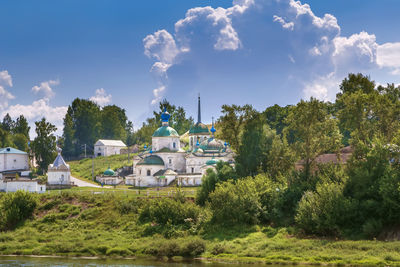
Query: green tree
68, 135
315, 131
5, 139
20, 141
179, 121
355, 83
44, 145
276, 116
231, 123
21, 126
113, 123
7, 124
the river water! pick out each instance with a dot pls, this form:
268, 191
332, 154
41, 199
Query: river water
78, 262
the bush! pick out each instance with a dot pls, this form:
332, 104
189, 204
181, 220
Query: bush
238, 202
15, 208
324, 212
168, 211
180, 247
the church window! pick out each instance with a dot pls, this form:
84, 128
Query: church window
174, 145
170, 161
140, 171
192, 170
148, 172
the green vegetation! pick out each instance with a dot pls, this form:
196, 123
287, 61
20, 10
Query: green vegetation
83, 168
110, 225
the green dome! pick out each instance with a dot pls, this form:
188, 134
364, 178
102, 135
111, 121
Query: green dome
151, 160
199, 128
165, 131
109, 172
212, 161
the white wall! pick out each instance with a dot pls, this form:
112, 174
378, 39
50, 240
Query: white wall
159, 143
53, 177
107, 150
177, 159
13, 162
30, 186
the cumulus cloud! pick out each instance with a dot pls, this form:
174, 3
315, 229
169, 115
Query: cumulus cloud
285, 25
208, 35
101, 97
5, 78
45, 88
37, 110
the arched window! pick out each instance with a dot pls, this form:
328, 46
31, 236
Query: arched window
148, 172
174, 145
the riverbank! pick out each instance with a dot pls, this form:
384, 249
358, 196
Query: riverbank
115, 226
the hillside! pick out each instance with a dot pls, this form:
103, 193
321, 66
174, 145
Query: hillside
83, 168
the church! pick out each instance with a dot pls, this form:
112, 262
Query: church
166, 162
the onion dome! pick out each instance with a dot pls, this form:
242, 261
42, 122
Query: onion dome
109, 172
151, 160
212, 127
165, 130
212, 144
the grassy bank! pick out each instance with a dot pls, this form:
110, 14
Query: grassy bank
112, 225
83, 168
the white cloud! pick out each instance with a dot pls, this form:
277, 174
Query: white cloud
5, 96
322, 88
37, 110
157, 93
388, 55
45, 88
101, 97
5, 78
285, 25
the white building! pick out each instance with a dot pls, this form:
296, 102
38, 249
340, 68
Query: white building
13, 161
109, 177
107, 148
59, 172
165, 161
32, 186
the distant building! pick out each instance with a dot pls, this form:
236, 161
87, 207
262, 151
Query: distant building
165, 162
109, 177
59, 172
329, 158
107, 148
13, 163
13, 185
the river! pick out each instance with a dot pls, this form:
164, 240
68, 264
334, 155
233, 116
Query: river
13, 261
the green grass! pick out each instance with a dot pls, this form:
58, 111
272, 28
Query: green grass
83, 168
80, 223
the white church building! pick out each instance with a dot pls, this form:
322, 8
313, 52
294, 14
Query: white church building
165, 161
105, 148
59, 172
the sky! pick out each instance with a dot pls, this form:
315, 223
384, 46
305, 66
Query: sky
135, 53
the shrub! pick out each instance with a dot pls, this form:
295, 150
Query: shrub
168, 211
15, 208
325, 211
236, 202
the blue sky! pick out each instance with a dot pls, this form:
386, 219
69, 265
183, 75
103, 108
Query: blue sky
133, 54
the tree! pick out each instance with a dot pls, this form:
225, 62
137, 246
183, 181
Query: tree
44, 145
7, 124
20, 141
21, 126
113, 123
68, 135
232, 122
276, 116
178, 119
356, 82
315, 131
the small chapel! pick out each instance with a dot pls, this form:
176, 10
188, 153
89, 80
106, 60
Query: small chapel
165, 162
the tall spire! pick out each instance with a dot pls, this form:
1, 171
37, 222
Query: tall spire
212, 127
199, 112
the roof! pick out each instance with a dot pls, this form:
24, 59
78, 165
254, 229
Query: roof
109, 172
165, 172
344, 156
11, 150
165, 131
212, 161
212, 144
59, 161
199, 128
105, 142
151, 160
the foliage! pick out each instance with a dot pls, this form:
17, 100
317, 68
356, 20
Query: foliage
15, 208
44, 145
223, 173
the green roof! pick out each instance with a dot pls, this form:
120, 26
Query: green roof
212, 144
211, 162
151, 160
199, 128
165, 131
11, 150
109, 172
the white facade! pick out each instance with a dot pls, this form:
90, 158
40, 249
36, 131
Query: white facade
165, 162
59, 172
27, 185
12, 159
107, 148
